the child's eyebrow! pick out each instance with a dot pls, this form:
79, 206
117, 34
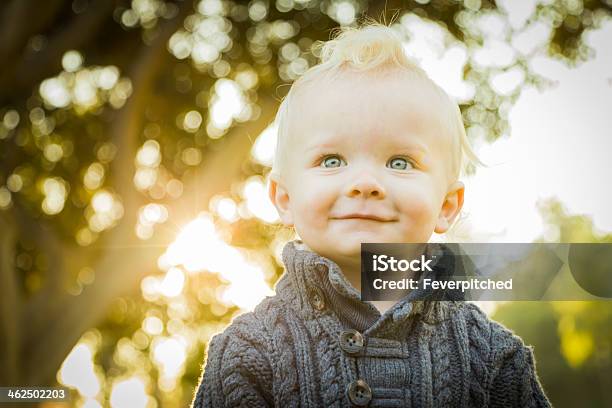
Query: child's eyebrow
412, 147
325, 140
416, 148
321, 146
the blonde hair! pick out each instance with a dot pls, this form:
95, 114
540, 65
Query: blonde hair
363, 49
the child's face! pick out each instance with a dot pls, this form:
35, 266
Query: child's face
368, 161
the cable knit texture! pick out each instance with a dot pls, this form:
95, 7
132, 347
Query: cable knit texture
291, 350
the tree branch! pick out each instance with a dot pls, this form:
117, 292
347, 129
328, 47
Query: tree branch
120, 274
14, 32
64, 257
115, 273
35, 66
10, 303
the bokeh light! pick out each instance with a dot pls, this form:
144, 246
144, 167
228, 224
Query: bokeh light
55, 190
130, 393
257, 201
199, 247
78, 370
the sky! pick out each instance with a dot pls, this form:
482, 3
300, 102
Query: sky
559, 147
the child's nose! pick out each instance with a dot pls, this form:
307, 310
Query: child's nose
365, 184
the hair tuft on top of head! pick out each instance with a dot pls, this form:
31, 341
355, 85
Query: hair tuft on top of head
366, 47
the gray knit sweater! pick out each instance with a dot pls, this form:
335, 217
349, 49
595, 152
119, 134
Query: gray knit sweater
316, 344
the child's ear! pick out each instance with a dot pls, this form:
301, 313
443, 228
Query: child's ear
453, 202
280, 198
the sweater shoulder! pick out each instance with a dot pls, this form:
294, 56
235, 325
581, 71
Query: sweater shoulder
257, 323
237, 366
491, 339
502, 365
477, 317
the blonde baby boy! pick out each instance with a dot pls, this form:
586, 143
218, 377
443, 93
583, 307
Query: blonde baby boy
369, 150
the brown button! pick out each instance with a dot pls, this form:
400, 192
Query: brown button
359, 393
316, 297
351, 341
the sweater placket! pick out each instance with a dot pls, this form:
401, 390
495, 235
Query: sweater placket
374, 346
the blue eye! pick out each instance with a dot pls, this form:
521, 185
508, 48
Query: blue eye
399, 163
331, 161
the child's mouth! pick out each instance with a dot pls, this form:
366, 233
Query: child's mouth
365, 217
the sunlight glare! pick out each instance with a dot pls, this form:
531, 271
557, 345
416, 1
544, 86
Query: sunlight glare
130, 393
170, 355
77, 371
263, 149
90, 403
173, 282
226, 104
226, 208
257, 200
198, 247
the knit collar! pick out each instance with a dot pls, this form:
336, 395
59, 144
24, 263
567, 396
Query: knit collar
311, 273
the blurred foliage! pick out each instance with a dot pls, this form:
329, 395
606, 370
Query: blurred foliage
121, 121
572, 339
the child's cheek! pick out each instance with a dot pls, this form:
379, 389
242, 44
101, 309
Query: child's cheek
310, 212
418, 208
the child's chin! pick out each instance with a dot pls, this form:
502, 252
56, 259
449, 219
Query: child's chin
352, 246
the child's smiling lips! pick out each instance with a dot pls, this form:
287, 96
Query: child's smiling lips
364, 216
